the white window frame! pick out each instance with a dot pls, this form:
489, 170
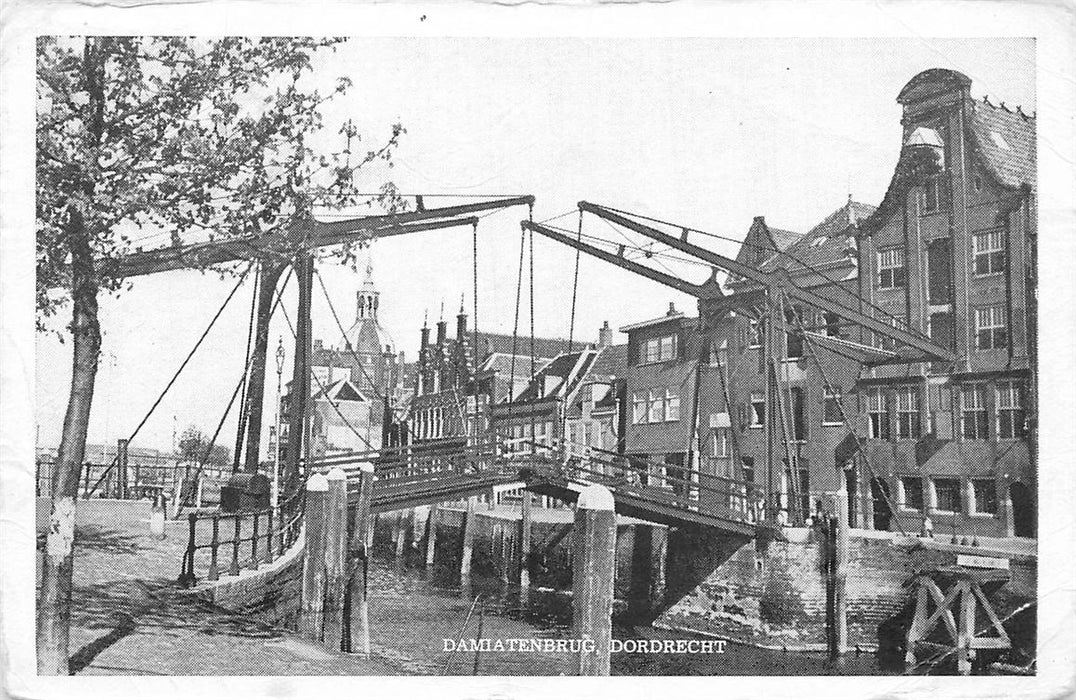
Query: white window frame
672, 406
639, 408
878, 406
902, 493
959, 496
991, 319
721, 443
660, 349
757, 398
754, 333
908, 406
831, 394
890, 260
977, 391
975, 496
1009, 399
989, 245
655, 407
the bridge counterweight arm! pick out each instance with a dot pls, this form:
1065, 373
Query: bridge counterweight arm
660, 277
772, 281
286, 244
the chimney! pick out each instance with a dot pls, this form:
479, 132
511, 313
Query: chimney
672, 309
442, 332
425, 336
605, 336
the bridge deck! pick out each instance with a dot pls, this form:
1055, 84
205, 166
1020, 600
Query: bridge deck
426, 474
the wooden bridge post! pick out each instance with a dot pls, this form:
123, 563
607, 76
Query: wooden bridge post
268, 276
593, 571
335, 548
121, 468
469, 524
358, 568
313, 591
525, 548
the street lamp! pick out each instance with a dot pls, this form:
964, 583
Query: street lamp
276, 442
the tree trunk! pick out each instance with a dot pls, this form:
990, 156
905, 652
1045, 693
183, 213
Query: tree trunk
54, 601
270, 275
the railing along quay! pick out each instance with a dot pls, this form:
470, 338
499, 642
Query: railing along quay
256, 537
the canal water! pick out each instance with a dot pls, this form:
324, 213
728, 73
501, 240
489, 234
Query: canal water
422, 617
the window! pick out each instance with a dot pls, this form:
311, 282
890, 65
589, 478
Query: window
990, 329
754, 333
638, 408
833, 324
930, 195
672, 405
988, 253
793, 338
907, 412
984, 495
886, 342
657, 406
659, 349
911, 496
891, 271
758, 409
878, 414
973, 411
947, 495
831, 407
721, 442
1010, 407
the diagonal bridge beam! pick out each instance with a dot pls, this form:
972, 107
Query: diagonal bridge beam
781, 281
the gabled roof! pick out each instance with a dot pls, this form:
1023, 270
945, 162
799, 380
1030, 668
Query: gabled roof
565, 374
830, 241
1005, 142
612, 362
340, 390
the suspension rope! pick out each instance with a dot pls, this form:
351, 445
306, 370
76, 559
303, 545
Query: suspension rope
324, 392
530, 288
343, 334
175, 376
474, 300
243, 408
575, 284
784, 253
515, 324
809, 344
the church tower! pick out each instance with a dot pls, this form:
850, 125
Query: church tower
367, 297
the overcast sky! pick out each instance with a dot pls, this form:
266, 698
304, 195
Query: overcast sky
704, 132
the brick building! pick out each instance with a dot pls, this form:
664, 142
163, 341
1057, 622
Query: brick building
949, 253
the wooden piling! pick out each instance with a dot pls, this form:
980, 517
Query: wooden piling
335, 552
431, 537
593, 571
525, 519
358, 569
840, 571
311, 620
399, 537
469, 524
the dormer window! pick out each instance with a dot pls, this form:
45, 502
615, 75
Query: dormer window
661, 349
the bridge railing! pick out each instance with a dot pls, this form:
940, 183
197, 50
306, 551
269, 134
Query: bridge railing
661, 483
223, 544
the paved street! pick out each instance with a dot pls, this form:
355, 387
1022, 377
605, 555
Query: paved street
128, 617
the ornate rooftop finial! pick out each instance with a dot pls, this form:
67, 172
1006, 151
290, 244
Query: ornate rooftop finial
1005, 108
986, 100
462, 310
425, 318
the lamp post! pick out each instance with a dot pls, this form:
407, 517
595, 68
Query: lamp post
276, 425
